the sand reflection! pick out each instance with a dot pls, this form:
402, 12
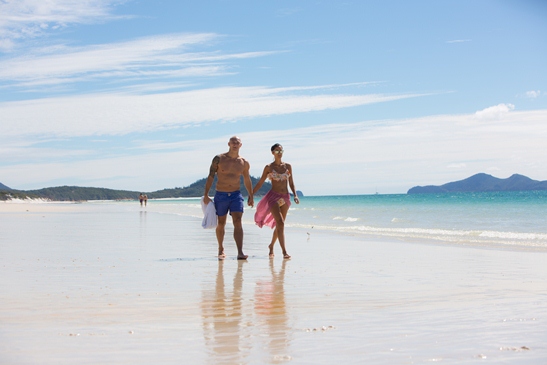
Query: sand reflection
271, 312
142, 228
240, 329
226, 338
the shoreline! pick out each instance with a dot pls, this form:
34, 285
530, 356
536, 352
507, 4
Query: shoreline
65, 206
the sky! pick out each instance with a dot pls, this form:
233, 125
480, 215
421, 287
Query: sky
364, 96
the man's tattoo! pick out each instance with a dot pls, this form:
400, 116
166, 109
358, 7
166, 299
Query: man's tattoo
214, 166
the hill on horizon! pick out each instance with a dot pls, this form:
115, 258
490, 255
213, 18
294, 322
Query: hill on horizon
483, 183
77, 193
4, 187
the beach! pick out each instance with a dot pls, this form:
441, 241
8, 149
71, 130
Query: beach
114, 283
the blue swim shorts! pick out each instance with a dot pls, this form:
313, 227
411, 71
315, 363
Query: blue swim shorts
225, 202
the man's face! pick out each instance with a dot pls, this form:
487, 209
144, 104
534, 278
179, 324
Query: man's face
234, 143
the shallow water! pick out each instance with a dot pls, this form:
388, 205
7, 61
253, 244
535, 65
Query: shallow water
112, 283
514, 220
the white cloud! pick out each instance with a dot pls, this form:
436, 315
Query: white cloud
396, 155
118, 114
285, 12
22, 19
390, 155
459, 41
494, 112
533, 94
164, 56
459, 165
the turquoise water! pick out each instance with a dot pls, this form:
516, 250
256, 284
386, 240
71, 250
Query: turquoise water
507, 219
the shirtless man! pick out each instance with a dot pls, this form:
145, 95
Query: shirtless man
229, 167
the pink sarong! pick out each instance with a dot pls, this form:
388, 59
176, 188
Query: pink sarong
263, 215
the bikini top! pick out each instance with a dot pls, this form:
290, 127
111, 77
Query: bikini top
274, 175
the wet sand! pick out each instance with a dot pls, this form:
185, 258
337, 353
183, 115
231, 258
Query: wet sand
116, 284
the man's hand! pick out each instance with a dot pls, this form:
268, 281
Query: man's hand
206, 199
250, 201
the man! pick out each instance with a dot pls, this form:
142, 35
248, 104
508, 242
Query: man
229, 167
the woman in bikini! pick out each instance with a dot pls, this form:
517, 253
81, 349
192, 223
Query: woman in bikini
273, 207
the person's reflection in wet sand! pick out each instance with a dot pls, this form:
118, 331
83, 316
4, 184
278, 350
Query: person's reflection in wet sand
271, 311
142, 229
222, 317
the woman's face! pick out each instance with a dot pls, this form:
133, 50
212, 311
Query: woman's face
278, 151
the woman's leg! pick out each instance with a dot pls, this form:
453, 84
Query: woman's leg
279, 213
284, 210
274, 238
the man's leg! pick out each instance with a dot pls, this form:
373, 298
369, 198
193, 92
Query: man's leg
238, 234
220, 235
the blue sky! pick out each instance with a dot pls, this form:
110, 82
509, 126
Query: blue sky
364, 96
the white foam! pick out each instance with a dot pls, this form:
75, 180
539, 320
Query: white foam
536, 240
350, 219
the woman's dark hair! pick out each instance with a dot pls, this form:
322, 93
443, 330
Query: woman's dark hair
275, 145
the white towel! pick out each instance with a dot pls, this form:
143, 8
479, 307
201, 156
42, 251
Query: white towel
209, 215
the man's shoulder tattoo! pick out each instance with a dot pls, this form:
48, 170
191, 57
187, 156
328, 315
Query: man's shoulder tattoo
214, 166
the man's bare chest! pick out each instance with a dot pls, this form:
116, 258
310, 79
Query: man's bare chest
229, 165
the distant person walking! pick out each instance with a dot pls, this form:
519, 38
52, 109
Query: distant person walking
145, 197
273, 207
141, 199
228, 168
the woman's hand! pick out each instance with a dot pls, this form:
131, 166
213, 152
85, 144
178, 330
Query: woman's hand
296, 200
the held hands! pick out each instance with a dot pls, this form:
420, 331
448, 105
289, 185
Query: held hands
250, 201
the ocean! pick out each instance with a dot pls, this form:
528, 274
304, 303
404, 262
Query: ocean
512, 220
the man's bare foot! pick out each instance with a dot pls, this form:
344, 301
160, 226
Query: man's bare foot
244, 257
286, 256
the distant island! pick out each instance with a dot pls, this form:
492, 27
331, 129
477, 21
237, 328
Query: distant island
76, 193
483, 183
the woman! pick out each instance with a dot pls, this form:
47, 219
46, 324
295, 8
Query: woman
273, 207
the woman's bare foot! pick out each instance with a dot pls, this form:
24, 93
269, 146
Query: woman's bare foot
286, 256
271, 255
221, 255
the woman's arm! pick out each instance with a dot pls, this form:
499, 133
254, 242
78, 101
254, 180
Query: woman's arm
291, 184
262, 179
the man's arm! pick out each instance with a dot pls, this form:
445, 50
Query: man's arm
210, 178
248, 183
